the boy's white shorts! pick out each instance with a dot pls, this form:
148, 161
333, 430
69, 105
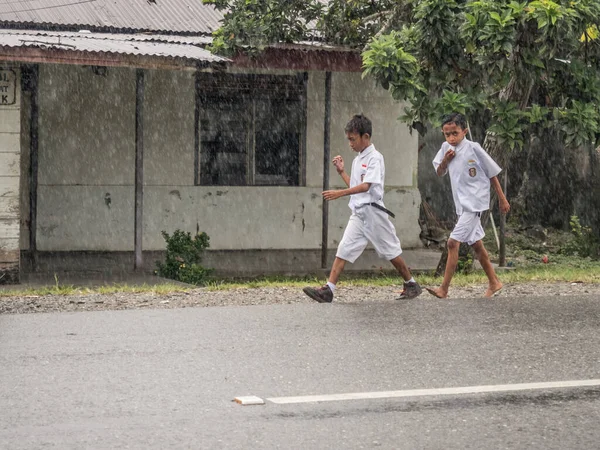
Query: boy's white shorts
468, 228
369, 224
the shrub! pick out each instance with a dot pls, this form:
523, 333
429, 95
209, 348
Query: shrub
183, 258
582, 242
465, 263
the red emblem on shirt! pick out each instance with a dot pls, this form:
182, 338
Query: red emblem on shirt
364, 165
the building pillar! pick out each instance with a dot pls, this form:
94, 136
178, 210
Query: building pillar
10, 173
139, 169
326, 163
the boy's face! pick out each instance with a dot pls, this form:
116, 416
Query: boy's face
357, 142
453, 133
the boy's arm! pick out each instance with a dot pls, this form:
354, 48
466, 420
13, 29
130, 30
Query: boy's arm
442, 169
338, 162
503, 203
345, 177
337, 193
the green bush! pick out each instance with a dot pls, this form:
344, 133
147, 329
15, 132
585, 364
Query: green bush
184, 255
465, 263
582, 242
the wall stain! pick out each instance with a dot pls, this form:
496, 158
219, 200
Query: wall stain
14, 208
176, 193
49, 230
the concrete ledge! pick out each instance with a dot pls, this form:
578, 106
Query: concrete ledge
238, 263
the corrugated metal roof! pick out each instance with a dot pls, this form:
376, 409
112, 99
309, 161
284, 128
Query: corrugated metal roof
177, 16
140, 45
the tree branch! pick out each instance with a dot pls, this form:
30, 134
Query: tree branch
393, 15
377, 15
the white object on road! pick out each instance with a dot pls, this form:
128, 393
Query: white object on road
249, 400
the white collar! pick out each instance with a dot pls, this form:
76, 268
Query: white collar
367, 151
462, 144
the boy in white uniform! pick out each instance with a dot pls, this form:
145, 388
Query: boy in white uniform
471, 172
369, 221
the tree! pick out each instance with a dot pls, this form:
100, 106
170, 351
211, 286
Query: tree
518, 70
250, 25
522, 69
526, 66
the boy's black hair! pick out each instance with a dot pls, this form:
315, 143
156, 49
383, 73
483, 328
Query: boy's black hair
456, 118
360, 124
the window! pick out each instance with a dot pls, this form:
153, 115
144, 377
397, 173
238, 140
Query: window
251, 129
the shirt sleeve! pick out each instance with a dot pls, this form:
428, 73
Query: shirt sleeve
373, 174
489, 166
439, 157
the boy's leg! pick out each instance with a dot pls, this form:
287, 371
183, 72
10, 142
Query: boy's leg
324, 294
482, 255
451, 263
351, 246
336, 270
411, 287
380, 231
467, 229
401, 267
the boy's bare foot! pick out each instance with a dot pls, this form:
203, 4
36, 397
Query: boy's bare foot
493, 289
439, 292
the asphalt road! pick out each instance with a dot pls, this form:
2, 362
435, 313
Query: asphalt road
156, 379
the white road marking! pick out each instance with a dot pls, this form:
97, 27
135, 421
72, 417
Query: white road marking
435, 392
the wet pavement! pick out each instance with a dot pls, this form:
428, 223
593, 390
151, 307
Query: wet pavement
166, 378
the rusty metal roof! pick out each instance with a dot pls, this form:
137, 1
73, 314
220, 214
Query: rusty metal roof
169, 16
186, 47
119, 32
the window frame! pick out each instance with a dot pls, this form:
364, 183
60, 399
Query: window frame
251, 87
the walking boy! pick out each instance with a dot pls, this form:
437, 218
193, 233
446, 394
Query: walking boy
369, 221
471, 172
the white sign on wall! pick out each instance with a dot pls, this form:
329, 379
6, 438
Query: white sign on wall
8, 87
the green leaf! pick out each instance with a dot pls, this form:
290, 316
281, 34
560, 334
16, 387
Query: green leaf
496, 17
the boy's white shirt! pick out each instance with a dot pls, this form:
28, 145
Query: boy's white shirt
367, 167
470, 172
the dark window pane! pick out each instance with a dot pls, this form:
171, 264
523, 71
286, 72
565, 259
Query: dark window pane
277, 141
251, 129
223, 143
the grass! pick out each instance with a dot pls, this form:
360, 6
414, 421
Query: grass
548, 273
586, 272
68, 289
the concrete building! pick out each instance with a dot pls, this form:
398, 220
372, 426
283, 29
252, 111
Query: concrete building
110, 135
